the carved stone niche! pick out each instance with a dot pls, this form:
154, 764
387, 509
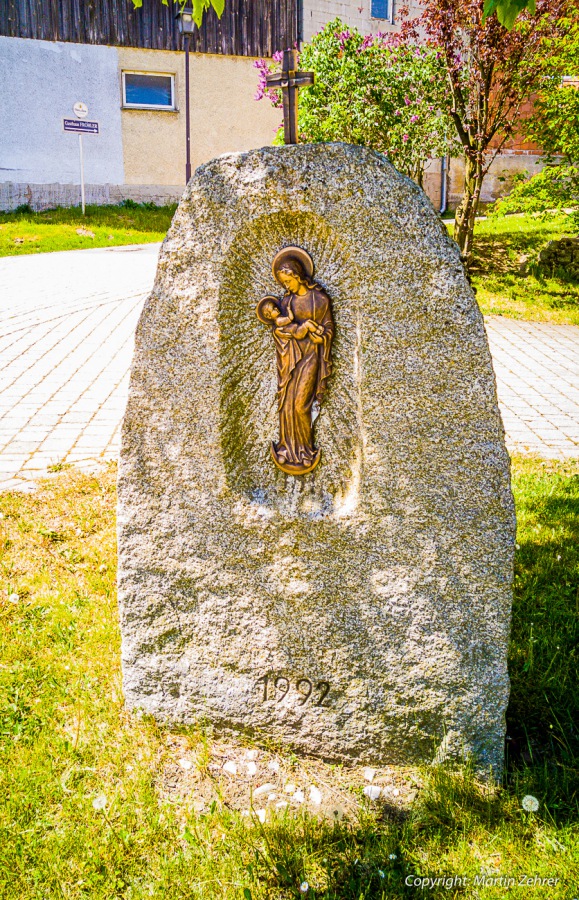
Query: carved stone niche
360, 610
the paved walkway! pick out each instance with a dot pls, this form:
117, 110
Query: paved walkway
537, 370
66, 340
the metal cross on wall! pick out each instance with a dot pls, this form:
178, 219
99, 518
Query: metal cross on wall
289, 80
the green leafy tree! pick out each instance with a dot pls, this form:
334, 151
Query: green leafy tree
200, 7
490, 71
554, 124
507, 10
370, 90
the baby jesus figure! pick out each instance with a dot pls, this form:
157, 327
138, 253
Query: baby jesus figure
270, 311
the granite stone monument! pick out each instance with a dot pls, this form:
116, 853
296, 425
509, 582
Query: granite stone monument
316, 526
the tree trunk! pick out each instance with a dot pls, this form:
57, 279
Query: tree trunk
468, 206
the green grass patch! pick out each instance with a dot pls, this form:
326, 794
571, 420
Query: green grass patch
83, 814
505, 275
24, 231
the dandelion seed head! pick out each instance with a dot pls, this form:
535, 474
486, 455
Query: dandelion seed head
99, 802
530, 803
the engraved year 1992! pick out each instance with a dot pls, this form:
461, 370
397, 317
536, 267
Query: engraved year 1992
276, 688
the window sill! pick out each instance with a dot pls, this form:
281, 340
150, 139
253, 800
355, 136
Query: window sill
160, 109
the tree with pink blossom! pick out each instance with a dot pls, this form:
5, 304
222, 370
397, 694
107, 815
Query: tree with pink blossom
373, 90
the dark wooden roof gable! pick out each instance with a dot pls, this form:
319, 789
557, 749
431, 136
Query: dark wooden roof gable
247, 27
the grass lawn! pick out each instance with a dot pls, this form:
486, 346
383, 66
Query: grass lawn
24, 231
98, 803
504, 251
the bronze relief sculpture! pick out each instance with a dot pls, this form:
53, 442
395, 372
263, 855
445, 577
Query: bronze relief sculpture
302, 328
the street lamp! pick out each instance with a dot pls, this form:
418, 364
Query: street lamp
186, 25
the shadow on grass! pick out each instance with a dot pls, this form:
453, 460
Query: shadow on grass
501, 253
543, 713
302, 855
505, 262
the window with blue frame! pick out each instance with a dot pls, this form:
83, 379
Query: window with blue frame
148, 90
381, 9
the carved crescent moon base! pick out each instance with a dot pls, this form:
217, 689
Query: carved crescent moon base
297, 469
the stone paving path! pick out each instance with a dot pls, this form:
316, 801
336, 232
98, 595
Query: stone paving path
67, 322
537, 370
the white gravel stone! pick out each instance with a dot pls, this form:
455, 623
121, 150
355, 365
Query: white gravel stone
263, 789
386, 573
230, 767
315, 795
372, 791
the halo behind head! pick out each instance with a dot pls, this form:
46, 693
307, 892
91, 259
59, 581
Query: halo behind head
293, 253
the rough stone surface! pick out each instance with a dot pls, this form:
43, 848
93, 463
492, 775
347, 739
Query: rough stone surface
387, 572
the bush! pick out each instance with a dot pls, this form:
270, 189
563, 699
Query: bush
554, 188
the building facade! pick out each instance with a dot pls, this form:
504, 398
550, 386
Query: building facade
127, 66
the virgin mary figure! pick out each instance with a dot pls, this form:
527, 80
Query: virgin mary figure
302, 328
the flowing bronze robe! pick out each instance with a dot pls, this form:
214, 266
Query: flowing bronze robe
303, 368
